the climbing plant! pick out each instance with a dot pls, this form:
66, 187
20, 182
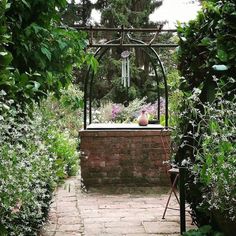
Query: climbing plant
207, 61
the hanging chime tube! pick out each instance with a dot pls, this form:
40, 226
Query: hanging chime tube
128, 72
122, 69
125, 77
125, 72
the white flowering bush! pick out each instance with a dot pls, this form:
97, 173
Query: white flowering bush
214, 137
33, 159
206, 61
216, 159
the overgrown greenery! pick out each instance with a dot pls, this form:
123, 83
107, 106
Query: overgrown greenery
207, 61
35, 156
37, 55
66, 112
205, 230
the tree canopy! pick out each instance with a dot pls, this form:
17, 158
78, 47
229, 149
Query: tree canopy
37, 55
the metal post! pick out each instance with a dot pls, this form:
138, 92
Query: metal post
182, 173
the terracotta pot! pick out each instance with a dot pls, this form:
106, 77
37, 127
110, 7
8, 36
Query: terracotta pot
143, 119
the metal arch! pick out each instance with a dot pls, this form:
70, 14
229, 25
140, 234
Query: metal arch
87, 81
164, 76
92, 78
157, 80
155, 71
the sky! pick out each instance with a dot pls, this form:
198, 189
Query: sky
175, 10
171, 11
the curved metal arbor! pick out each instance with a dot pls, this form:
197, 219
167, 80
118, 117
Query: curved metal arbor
147, 48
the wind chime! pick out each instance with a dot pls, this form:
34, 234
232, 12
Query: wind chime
125, 77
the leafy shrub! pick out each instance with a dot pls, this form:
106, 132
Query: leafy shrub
66, 113
36, 57
205, 230
26, 174
216, 155
64, 149
34, 157
207, 58
40, 53
62, 119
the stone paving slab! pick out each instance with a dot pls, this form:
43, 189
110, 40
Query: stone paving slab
99, 213
161, 227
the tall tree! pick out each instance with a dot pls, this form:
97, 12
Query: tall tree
77, 13
132, 14
38, 53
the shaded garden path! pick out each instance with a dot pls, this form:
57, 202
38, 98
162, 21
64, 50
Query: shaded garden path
101, 213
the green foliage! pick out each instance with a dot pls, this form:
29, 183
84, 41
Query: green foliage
64, 148
36, 57
207, 60
212, 173
34, 156
107, 82
63, 119
66, 114
37, 54
175, 97
210, 39
127, 12
216, 159
26, 173
78, 12
205, 230
5, 56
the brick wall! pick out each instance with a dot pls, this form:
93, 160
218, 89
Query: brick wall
124, 157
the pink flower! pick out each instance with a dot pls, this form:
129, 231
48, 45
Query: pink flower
116, 109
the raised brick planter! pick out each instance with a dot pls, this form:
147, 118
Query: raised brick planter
124, 157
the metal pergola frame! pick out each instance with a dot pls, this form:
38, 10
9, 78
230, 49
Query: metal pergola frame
148, 48
134, 43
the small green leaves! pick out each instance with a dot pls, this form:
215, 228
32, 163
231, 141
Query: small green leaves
62, 44
36, 86
222, 55
207, 58
206, 41
47, 53
3, 54
26, 3
92, 61
5, 58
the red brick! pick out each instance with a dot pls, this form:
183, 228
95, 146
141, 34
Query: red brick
124, 157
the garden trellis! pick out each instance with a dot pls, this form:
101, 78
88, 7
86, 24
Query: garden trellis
97, 136
126, 41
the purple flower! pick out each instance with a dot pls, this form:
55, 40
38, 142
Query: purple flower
152, 108
116, 109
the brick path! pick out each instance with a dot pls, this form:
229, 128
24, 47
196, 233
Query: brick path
101, 214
